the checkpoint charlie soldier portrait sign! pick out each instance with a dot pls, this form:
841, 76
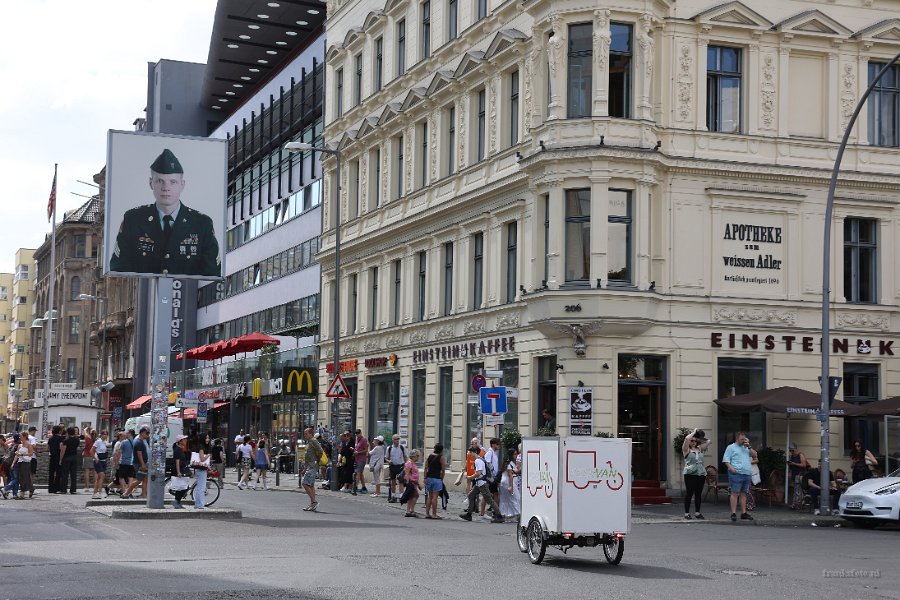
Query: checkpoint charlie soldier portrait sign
165, 205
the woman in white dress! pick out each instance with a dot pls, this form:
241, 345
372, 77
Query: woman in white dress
510, 492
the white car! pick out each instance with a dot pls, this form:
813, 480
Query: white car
871, 502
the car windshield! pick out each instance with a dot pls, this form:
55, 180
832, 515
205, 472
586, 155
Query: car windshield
895, 473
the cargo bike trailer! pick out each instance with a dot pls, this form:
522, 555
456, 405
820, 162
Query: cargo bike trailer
576, 492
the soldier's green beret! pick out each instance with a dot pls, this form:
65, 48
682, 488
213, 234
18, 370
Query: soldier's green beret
166, 164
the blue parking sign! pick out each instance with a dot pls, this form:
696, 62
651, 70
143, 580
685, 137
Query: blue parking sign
493, 400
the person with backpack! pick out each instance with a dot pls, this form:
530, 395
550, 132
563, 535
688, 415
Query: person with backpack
492, 459
395, 457
480, 479
413, 485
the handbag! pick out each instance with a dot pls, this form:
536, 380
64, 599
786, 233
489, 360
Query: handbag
178, 484
196, 463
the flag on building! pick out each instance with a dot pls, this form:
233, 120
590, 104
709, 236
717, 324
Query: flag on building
51, 205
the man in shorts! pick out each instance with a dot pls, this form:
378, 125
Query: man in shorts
360, 458
738, 460
141, 463
395, 457
310, 467
126, 462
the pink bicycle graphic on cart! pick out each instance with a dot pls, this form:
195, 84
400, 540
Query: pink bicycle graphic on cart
582, 471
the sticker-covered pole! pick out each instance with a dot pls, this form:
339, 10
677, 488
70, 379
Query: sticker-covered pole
159, 402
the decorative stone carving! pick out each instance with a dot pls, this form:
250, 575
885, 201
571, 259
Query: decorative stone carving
863, 320
328, 352
767, 92
385, 180
443, 332
393, 341
363, 185
433, 145
528, 66
349, 348
685, 85
371, 345
493, 98
461, 109
508, 321
408, 154
848, 94
330, 7
473, 326
554, 60
645, 40
579, 333
419, 336
738, 315
602, 38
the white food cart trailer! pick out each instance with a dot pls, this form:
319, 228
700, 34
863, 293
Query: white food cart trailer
576, 491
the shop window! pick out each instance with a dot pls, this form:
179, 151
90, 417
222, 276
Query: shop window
737, 376
545, 407
418, 411
861, 385
445, 410
619, 232
510, 379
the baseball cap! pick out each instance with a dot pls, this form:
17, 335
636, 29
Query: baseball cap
380, 438
792, 446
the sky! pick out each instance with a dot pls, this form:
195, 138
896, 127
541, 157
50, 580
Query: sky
72, 70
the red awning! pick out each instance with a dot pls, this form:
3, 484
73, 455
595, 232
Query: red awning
138, 403
191, 413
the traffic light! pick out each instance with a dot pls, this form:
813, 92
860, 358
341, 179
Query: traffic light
12, 381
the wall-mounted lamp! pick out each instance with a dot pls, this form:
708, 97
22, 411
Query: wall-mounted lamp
541, 143
580, 383
543, 284
560, 367
652, 286
518, 155
598, 283
522, 289
606, 366
657, 146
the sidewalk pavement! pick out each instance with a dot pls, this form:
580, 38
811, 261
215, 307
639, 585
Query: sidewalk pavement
777, 515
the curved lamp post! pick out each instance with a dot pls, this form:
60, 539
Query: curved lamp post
825, 483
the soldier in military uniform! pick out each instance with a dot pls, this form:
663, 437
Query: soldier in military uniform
166, 237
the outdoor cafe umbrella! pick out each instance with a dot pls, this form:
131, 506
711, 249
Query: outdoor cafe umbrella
881, 408
255, 341
786, 400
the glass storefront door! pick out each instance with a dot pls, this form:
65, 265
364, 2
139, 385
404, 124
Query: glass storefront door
739, 376
347, 408
642, 413
384, 400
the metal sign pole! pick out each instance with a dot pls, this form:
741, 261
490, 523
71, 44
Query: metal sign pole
159, 404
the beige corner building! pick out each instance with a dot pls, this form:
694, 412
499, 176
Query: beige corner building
627, 197
17, 343
6, 371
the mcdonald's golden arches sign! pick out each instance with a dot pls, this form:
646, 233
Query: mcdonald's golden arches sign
297, 381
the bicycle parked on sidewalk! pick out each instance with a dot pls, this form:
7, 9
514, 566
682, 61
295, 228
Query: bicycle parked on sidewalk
213, 487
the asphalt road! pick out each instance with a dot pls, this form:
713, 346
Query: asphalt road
360, 547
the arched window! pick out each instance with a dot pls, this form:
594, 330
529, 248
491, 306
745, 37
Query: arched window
76, 288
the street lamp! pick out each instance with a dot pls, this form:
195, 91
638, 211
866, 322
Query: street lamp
824, 380
294, 147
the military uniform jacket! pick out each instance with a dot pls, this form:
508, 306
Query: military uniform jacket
141, 246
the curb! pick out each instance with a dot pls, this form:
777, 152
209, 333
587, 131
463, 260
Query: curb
156, 514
